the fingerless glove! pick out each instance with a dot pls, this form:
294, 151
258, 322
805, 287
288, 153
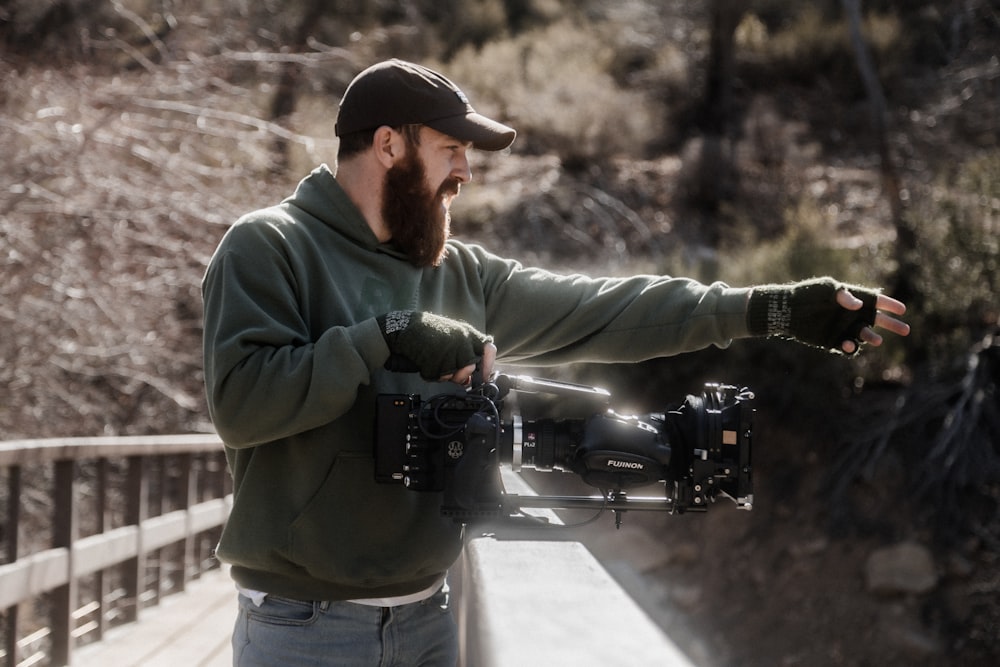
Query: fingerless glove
808, 312
429, 344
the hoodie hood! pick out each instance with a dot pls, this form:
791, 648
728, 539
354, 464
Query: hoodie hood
321, 196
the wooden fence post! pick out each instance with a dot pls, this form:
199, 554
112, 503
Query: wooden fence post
135, 568
63, 598
11, 538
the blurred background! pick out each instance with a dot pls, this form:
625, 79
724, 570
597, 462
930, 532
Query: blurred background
742, 141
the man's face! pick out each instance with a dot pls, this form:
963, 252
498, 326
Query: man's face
415, 205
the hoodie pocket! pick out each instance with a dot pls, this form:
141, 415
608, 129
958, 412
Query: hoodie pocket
355, 532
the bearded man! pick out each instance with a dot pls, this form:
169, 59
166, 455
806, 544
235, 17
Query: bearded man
351, 288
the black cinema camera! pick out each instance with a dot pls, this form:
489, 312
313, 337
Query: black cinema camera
454, 444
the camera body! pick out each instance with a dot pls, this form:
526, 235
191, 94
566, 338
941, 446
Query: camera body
699, 449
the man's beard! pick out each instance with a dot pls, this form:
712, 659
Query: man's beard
417, 218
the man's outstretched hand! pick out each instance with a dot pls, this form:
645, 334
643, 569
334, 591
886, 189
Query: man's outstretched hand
824, 313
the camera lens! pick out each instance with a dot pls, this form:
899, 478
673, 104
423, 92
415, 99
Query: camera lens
540, 444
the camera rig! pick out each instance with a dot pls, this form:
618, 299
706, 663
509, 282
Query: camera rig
454, 444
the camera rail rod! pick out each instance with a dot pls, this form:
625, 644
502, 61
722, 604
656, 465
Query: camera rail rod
620, 502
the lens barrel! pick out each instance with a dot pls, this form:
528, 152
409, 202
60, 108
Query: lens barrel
540, 444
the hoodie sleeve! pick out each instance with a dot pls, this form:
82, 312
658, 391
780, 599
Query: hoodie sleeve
266, 375
543, 318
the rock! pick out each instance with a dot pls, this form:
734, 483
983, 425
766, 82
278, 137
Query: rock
807, 548
959, 566
902, 629
686, 597
685, 554
903, 568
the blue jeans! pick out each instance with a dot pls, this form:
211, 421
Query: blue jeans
292, 633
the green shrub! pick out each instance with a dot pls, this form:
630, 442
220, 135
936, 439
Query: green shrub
811, 44
555, 87
956, 267
804, 250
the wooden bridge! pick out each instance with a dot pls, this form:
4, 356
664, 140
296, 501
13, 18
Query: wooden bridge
192, 629
98, 532
106, 547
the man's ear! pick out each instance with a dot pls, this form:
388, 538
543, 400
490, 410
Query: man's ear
389, 145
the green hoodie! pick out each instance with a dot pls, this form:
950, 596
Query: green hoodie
294, 360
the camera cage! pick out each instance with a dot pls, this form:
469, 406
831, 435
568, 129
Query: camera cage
455, 444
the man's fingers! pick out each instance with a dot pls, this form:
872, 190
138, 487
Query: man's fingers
866, 335
891, 324
883, 304
870, 337
489, 358
890, 305
849, 346
886, 304
463, 376
848, 300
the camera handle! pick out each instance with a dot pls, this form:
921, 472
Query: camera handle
530, 385
476, 489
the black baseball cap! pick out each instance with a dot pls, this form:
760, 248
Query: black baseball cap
396, 93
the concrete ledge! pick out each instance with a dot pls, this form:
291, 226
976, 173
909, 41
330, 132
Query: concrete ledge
549, 603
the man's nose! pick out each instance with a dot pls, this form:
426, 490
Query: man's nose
461, 169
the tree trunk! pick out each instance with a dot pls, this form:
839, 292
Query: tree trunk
892, 189
713, 177
724, 17
283, 102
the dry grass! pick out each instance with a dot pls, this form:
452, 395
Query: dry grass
119, 188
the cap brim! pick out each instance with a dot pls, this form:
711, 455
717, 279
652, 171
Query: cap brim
484, 134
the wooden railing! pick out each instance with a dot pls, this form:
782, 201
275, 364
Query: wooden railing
95, 529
